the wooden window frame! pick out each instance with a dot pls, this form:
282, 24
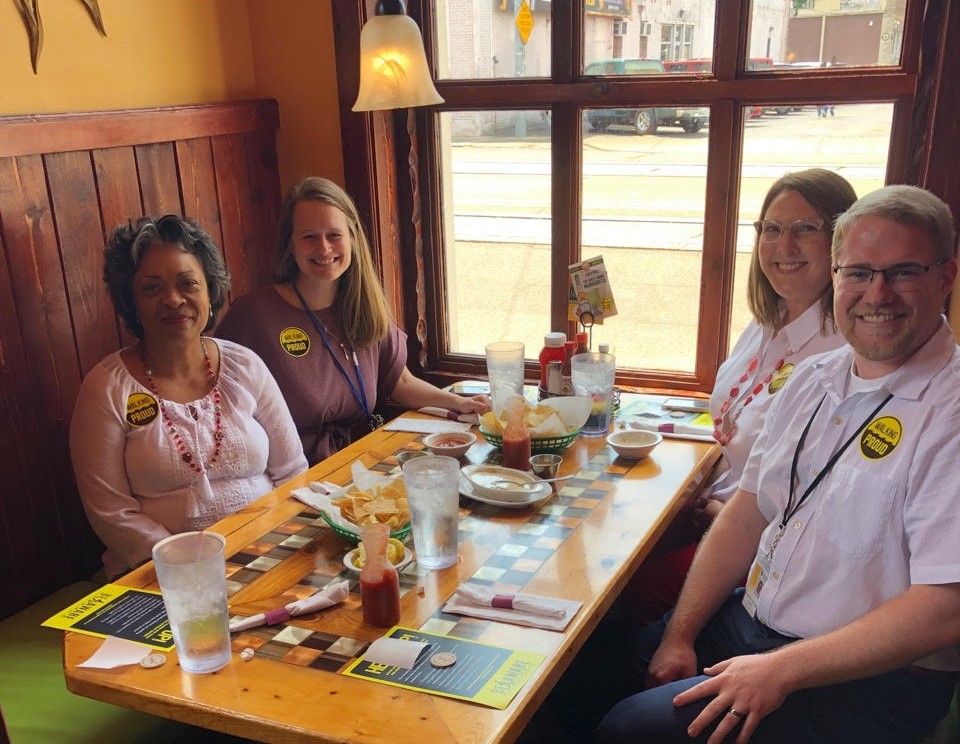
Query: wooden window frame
392, 158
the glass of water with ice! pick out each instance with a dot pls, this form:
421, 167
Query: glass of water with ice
433, 492
193, 582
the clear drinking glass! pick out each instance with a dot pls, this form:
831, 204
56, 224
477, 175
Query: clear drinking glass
593, 377
433, 492
505, 372
193, 581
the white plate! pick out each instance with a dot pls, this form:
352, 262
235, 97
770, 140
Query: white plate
535, 495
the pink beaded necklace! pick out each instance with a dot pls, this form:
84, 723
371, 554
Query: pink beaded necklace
185, 454
724, 434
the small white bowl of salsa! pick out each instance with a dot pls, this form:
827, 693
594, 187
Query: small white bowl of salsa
450, 443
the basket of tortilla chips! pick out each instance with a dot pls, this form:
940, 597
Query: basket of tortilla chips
554, 423
369, 499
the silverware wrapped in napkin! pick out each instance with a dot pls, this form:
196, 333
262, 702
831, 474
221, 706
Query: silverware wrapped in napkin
531, 610
522, 602
327, 597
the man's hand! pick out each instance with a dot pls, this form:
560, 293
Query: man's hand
671, 661
753, 686
703, 511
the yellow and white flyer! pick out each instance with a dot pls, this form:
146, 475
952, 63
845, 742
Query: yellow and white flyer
455, 668
135, 615
591, 298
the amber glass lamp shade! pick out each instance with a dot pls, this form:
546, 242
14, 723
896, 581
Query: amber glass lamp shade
393, 65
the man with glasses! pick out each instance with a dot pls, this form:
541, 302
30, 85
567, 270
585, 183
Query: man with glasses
846, 524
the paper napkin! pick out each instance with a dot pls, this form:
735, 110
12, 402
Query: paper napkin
425, 426
531, 609
446, 413
327, 597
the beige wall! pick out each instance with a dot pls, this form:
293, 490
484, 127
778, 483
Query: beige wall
165, 52
295, 62
155, 53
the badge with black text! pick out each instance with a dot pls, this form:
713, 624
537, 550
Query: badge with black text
294, 341
142, 409
880, 437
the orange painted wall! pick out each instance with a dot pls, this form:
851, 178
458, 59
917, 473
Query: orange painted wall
154, 54
166, 52
295, 62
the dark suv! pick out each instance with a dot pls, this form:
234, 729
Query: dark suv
643, 120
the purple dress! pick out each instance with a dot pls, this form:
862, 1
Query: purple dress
325, 411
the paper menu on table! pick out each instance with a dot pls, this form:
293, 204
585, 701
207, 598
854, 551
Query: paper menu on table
484, 674
649, 414
132, 614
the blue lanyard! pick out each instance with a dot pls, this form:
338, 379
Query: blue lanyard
374, 420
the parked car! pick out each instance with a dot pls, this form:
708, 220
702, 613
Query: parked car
642, 120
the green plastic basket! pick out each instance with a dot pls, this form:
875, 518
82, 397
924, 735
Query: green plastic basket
354, 538
538, 445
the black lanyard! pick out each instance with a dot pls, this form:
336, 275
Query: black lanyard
374, 420
791, 508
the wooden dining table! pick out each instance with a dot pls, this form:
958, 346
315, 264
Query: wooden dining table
582, 543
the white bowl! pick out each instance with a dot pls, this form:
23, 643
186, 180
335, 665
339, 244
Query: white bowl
348, 559
450, 443
485, 480
634, 444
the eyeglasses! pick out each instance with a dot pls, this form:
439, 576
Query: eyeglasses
901, 275
802, 230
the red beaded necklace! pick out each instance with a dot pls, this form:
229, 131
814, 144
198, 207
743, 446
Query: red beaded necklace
724, 436
185, 454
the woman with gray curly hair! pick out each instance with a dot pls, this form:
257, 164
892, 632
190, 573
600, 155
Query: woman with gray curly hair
176, 431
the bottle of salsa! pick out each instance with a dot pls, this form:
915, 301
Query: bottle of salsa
516, 437
379, 583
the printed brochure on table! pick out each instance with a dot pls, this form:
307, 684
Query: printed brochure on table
135, 615
481, 673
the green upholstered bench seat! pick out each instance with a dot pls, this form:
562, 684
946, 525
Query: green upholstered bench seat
38, 708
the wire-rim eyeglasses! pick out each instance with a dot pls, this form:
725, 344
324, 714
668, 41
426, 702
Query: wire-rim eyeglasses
899, 274
770, 231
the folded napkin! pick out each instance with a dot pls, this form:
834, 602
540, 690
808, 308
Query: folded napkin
520, 609
327, 597
425, 426
677, 431
467, 418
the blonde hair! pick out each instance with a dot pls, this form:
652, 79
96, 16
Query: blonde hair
830, 195
361, 304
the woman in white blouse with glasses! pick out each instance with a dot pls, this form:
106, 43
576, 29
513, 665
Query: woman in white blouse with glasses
790, 294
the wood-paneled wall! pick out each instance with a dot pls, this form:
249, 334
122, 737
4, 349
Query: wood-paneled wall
65, 182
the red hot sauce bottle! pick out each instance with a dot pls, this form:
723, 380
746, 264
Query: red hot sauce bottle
516, 437
379, 583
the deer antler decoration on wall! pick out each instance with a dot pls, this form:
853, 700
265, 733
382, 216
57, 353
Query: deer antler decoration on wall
30, 12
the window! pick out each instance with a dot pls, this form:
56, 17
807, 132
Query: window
676, 41
647, 162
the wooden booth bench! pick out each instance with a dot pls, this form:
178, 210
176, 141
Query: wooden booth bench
65, 182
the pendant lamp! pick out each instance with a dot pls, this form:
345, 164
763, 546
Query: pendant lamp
393, 65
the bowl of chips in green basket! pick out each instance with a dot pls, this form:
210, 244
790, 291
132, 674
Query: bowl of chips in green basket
554, 423
381, 503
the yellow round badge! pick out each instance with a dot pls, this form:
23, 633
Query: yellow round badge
881, 437
294, 341
142, 409
780, 378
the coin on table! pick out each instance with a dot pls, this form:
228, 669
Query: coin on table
152, 661
443, 660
